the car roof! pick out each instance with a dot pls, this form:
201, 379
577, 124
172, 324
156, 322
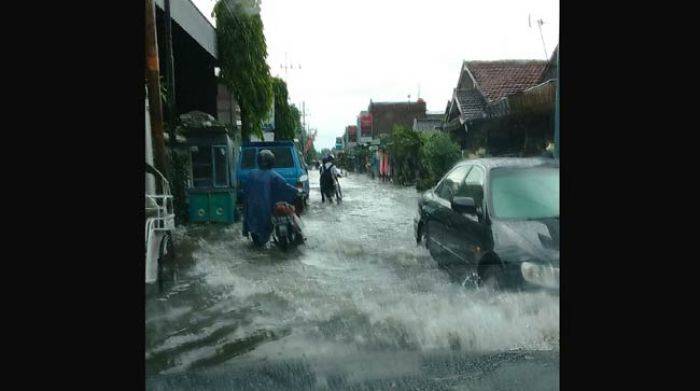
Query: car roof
499, 162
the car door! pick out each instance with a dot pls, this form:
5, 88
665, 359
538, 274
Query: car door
439, 221
468, 235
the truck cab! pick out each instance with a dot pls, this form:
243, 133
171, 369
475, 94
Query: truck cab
289, 163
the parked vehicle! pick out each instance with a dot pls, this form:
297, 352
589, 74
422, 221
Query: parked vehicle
160, 224
285, 232
211, 194
495, 222
289, 163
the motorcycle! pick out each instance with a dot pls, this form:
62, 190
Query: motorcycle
285, 232
332, 190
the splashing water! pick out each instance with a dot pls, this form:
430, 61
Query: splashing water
360, 284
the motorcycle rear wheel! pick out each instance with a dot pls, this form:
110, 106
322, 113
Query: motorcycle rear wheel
283, 243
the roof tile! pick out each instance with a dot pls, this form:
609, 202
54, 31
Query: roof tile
496, 79
471, 104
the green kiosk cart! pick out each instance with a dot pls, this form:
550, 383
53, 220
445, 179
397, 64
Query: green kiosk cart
211, 192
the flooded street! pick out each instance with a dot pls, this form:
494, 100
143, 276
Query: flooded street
359, 306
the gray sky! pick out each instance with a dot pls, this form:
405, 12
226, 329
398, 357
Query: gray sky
354, 50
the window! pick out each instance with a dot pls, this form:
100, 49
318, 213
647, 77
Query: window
449, 186
201, 166
473, 186
526, 193
248, 160
283, 157
221, 176
475, 177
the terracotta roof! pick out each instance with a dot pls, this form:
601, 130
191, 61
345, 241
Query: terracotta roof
387, 114
496, 79
471, 104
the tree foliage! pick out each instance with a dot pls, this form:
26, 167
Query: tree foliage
438, 154
242, 55
312, 155
404, 146
285, 123
296, 120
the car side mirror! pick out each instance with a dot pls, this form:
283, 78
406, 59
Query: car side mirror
463, 205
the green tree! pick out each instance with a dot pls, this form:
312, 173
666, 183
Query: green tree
311, 155
285, 125
296, 120
404, 146
242, 57
438, 154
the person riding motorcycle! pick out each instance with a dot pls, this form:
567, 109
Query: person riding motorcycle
329, 175
263, 189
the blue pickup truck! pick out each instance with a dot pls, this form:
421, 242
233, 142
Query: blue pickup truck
288, 162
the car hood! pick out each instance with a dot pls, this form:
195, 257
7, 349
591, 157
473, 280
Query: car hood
531, 240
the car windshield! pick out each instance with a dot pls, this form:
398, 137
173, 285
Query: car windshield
525, 193
283, 157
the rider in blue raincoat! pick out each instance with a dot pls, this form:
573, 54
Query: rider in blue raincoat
263, 189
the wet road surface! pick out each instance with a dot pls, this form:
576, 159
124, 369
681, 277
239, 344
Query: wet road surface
360, 306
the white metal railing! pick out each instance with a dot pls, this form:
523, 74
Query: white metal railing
161, 205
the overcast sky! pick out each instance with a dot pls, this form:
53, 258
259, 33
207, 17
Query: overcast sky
351, 51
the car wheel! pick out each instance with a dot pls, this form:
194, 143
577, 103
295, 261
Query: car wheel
283, 243
468, 279
491, 277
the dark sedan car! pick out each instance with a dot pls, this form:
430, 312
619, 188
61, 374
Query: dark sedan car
495, 222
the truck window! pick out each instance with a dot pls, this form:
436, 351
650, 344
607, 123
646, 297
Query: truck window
283, 157
201, 166
221, 174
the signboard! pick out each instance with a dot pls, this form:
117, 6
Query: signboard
352, 133
365, 124
338, 143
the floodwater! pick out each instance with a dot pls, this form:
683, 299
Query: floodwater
360, 306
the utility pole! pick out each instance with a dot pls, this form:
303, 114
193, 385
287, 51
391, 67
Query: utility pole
540, 22
170, 74
303, 110
153, 80
286, 67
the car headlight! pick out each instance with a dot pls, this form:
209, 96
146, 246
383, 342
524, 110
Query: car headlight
543, 275
303, 178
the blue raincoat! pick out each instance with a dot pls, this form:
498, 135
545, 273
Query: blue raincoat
263, 189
